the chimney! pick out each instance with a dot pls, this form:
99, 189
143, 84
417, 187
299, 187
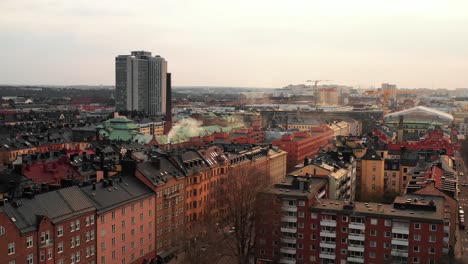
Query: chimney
168, 116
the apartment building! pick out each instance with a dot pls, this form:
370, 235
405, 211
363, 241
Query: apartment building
125, 228
414, 229
54, 227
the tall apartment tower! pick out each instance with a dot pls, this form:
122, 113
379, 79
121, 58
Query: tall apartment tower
141, 83
391, 89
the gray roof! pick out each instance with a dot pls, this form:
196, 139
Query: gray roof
57, 205
108, 198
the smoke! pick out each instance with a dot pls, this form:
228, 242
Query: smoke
184, 130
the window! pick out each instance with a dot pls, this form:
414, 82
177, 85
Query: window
373, 221
124, 211
344, 251
11, 248
371, 254
387, 234
123, 237
49, 253
417, 226
301, 214
416, 249
60, 231
344, 241
72, 226
30, 259
78, 256
72, 242
45, 237
386, 245
77, 224
114, 255
344, 218
300, 235
388, 222
300, 225
373, 244
313, 215
72, 258
415, 260
60, 247
2, 231
61, 261
91, 219
123, 223
103, 219
113, 215
301, 203
344, 230
431, 250
29, 242
113, 228
113, 241
313, 226
433, 228
87, 221
432, 239
373, 232
77, 240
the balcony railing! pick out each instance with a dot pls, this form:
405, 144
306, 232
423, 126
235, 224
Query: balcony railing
288, 250
289, 219
289, 230
358, 226
288, 208
358, 237
399, 253
327, 255
327, 245
331, 223
326, 233
400, 230
287, 260
358, 248
356, 259
400, 242
289, 240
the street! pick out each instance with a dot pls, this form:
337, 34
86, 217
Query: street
461, 247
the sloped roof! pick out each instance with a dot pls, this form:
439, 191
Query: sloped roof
422, 109
56, 205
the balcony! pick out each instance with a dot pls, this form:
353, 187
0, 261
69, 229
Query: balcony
289, 208
325, 233
356, 259
357, 237
399, 253
400, 230
289, 219
288, 250
327, 245
289, 240
289, 230
331, 223
287, 261
400, 242
358, 226
358, 248
327, 256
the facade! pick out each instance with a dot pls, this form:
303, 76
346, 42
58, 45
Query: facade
54, 227
391, 89
301, 144
283, 209
369, 174
411, 230
141, 82
125, 228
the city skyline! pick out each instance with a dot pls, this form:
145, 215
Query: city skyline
262, 44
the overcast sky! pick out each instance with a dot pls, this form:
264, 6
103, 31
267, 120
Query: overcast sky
254, 43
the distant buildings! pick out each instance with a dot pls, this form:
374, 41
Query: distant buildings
391, 89
141, 82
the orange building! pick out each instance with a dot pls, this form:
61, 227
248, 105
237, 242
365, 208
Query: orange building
125, 228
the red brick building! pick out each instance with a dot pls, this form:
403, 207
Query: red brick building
304, 229
54, 227
301, 144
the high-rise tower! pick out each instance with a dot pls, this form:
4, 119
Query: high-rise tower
141, 83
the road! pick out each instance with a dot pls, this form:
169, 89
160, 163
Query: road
461, 248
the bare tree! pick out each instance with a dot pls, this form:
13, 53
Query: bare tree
202, 242
242, 185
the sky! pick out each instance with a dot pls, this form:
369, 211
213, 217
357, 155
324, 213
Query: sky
242, 43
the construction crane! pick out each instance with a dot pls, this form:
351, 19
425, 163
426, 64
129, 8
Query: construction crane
315, 90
